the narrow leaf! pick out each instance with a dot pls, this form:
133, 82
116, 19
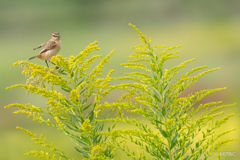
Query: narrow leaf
80, 81
165, 135
74, 117
87, 107
174, 141
74, 129
163, 111
97, 139
66, 89
72, 74
64, 73
157, 98
90, 115
163, 153
197, 144
82, 152
157, 121
83, 90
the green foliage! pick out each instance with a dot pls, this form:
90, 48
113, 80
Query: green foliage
176, 131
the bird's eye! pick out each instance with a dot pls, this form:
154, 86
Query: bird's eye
53, 35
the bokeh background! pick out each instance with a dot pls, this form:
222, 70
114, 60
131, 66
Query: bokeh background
209, 31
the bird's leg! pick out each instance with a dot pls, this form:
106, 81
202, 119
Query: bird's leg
47, 64
53, 63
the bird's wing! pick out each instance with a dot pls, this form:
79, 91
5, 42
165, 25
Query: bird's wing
50, 45
40, 46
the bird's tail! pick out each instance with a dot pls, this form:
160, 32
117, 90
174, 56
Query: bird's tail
32, 57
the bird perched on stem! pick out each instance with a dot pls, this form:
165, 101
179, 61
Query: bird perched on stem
51, 48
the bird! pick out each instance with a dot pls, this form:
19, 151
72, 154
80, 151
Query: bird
51, 48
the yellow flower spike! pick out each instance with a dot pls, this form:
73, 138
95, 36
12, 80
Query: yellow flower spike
184, 116
74, 95
149, 40
97, 148
110, 73
170, 121
71, 58
87, 126
14, 64
143, 38
59, 123
51, 102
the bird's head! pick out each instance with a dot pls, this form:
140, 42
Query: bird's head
56, 36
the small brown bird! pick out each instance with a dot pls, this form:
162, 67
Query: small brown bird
51, 48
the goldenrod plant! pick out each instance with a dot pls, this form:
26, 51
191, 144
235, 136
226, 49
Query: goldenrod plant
73, 114
174, 126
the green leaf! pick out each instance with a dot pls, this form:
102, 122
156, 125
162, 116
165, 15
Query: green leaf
164, 154
83, 101
96, 127
75, 79
155, 77
160, 74
186, 158
174, 114
80, 81
173, 129
66, 89
177, 157
90, 115
192, 150
63, 73
101, 128
144, 127
189, 143
157, 121
82, 152
163, 111
197, 144
74, 129
157, 98
83, 90
156, 92
87, 107
69, 102
74, 117
80, 140
97, 139
203, 134
174, 141
146, 147
159, 114
72, 74
113, 126
164, 133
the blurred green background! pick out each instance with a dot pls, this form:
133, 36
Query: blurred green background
209, 31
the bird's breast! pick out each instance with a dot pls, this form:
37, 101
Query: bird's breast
52, 52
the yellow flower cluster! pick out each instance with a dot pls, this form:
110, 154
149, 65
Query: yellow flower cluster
97, 150
143, 38
68, 89
87, 126
38, 140
42, 154
60, 125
